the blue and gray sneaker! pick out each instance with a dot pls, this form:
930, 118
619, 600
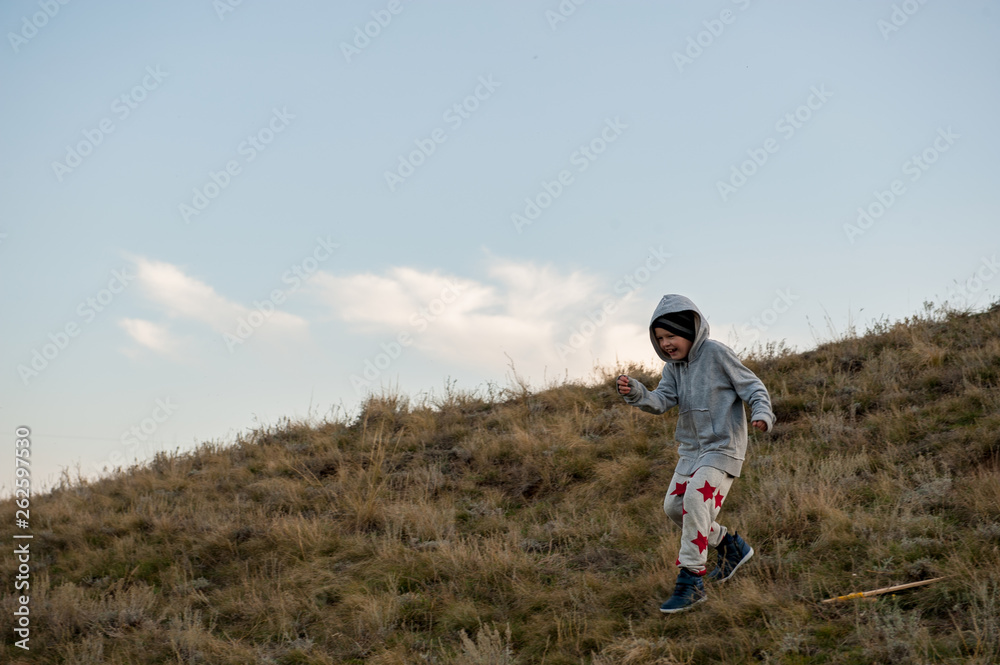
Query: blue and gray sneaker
689, 591
733, 553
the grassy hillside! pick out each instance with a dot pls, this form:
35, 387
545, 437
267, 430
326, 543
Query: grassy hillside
513, 527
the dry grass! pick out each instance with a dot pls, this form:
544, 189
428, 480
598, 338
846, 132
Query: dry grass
519, 527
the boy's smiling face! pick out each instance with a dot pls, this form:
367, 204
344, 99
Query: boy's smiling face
675, 346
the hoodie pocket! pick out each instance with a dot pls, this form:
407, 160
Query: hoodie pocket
694, 426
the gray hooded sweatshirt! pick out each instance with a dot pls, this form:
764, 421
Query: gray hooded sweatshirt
709, 387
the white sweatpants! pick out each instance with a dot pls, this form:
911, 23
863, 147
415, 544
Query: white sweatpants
693, 503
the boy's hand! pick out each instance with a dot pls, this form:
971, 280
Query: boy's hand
760, 425
622, 385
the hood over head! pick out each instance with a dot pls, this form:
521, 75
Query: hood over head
676, 303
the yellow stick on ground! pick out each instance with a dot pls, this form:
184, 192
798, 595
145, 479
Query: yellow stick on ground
888, 589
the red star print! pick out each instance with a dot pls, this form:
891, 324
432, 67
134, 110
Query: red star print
683, 511
701, 541
678, 562
718, 499
679, 489
707, 491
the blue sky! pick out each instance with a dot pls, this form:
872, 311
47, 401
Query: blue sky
218, 215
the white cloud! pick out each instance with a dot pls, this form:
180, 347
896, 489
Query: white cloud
150, 335
522, 310
185, 298
373, 302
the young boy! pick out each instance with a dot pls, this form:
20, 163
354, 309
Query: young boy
709, 385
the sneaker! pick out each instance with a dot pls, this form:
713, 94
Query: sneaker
733, 553
689, 591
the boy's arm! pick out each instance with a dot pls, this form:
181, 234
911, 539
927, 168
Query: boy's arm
663, 397
750, 389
